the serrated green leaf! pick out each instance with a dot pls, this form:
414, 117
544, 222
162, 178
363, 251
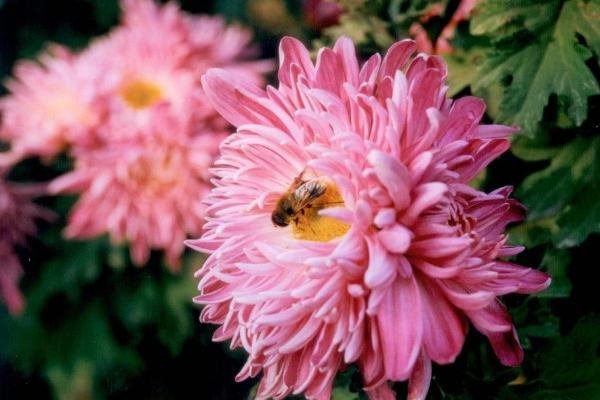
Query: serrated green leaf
542, 59
496, 17
460, 68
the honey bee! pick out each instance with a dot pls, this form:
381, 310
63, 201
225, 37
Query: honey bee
302, 194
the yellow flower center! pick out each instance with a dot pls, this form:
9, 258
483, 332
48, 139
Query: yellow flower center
309, 225
141, 94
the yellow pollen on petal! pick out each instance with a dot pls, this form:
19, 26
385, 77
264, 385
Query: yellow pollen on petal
141, 94
309, 225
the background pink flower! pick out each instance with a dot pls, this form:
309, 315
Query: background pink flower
17, 215
143, 170
145, 190
50, 105
199, 41
401, 253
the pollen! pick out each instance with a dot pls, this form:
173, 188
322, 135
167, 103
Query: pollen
309, 225
141, 94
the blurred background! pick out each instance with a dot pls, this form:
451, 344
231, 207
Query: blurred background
96, 326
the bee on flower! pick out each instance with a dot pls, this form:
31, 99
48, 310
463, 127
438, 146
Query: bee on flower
396, 256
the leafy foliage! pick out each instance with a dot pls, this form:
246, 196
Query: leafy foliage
540, 48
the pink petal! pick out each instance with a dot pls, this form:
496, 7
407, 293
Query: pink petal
293, 52
507, 347
420, 378
221, 88
400, 328
444, 329
393, 175
395, 239
396, 57
381, 392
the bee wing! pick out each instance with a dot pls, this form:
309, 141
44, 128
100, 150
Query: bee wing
308, 192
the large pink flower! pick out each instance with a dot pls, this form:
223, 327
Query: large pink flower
17, 215
396, 252
50, 105
146, 190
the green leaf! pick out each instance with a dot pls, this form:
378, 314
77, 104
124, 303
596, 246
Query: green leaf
460, 68
176, 325
144, 301
340, 393
562, 198
546, 192
534, 149
555, 263
107, 12
568, 367
75, 264
582, 216
77, 383
538, 55
533, 233
61, 347
231, 9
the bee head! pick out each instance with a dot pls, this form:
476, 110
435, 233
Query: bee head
279, 219
283, 212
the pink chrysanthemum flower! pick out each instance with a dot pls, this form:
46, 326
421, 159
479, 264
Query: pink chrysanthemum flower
202, 41
17, 215
142, 70
158, 55
50, 104
342, 229
145, 190
144, 173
